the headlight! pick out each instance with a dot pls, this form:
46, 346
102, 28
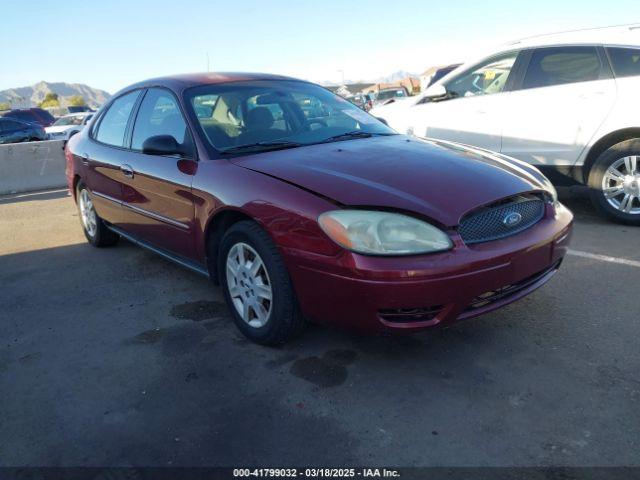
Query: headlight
382, 233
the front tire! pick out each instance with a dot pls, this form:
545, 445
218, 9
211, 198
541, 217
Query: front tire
257, 287
93, 227
614, 182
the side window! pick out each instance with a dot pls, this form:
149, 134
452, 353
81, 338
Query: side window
625, 61
561, 65
113, 123
159, 115
484, 79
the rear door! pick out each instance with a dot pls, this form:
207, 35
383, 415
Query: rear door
105, 154
157, 203
565, 94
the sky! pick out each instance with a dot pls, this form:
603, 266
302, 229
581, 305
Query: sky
110, 44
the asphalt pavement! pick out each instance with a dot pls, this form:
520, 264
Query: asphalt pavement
118, 357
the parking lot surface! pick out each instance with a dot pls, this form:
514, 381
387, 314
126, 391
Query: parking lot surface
117, 357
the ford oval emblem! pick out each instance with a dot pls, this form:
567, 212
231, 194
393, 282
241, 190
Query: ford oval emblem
512, 219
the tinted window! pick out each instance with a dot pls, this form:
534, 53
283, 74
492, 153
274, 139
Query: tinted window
557, 66
625, 61
159, 115
39, 112
114, 122
483, 79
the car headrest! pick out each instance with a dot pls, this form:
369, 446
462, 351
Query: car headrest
259, 118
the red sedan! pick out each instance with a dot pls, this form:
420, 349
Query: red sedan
305, 208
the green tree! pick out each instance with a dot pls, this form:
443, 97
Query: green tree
50, 100
77, 101
5, 106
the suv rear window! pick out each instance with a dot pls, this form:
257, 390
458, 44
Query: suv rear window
625, 61
561, 65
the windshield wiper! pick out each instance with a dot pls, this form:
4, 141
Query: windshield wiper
263, 146
353, 134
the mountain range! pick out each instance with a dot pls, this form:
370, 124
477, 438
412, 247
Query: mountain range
34, 94
393, 77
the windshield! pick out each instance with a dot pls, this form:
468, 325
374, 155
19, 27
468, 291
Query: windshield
387, 94
64, 121
272, 113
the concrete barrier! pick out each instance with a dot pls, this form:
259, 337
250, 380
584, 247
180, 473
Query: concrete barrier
29, 166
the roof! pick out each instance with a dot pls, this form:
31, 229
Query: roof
617, 35
183, 81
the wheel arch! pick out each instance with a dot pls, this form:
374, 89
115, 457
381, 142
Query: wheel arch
603, 144
76, 180
216, 226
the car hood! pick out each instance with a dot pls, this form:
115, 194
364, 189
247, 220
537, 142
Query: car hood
435, 179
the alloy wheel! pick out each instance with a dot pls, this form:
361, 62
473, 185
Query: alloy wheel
249, 285
88, 213
621, 185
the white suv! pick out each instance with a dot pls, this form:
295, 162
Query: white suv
567, 103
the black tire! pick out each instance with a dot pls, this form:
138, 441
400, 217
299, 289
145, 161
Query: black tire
596, 175
102, 237
285, 320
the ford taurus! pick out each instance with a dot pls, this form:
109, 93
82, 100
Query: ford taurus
305, 208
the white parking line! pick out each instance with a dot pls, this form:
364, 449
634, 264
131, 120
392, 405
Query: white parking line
604, 258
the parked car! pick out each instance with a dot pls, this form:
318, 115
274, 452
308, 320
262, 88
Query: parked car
336, 219
14, 131
362, 101
389, 95
566, 103
78, 108
67, 126
32, 115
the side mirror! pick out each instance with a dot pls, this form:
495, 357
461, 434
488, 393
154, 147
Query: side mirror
435, 91
162, 145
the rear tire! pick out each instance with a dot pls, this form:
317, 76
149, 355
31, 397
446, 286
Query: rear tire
93, 227
614, 182
257, 287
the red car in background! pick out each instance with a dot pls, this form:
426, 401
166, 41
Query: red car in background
322, 214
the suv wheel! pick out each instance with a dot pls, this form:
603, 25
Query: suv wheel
614, 182
94, 228
257, 287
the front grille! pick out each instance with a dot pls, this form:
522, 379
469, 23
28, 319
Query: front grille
408, 315
491, 223
493, 296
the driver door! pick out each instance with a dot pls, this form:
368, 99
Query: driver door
474, 109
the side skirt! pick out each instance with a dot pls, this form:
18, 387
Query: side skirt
185, 262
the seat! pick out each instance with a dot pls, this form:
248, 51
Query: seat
258, 123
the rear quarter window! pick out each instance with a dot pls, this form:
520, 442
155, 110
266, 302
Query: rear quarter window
625, 61
562, 65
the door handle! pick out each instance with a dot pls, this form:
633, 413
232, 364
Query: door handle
126, 170
85, 159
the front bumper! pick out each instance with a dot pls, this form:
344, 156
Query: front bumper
378, 294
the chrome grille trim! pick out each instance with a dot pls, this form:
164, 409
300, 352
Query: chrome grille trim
489, 223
